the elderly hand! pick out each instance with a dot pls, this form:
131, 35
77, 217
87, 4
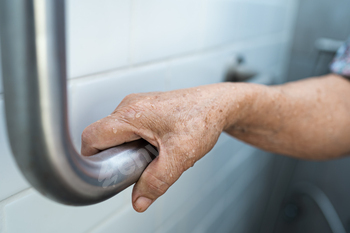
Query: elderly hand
307, 119
184, 125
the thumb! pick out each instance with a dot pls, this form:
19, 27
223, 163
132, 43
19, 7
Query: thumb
160, 174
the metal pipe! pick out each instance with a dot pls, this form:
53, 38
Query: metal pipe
323, 202
34, 80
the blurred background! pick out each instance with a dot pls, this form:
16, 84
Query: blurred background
118, 47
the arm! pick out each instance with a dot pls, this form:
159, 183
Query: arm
308, 119
305, 119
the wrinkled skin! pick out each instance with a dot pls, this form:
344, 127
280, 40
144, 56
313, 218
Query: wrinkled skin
185, 124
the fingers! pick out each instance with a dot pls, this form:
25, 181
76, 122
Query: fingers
105, 133
151, 117
154, 182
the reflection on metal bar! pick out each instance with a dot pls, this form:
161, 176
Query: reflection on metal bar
323, 202
34, 78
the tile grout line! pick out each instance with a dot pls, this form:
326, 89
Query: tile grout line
14, 196
3, 203
193, 54
123, 209
256, 41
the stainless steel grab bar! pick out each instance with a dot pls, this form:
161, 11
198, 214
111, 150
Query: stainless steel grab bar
34, 78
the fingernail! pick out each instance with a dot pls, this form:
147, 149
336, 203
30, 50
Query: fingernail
142, 203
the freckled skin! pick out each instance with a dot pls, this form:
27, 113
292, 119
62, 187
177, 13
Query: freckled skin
307, 119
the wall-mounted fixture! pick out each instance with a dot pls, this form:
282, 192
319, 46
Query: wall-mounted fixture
326, 48
238, 71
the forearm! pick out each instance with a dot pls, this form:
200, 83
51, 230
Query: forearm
306, 119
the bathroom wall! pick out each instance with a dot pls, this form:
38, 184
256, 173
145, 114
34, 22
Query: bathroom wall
117, 47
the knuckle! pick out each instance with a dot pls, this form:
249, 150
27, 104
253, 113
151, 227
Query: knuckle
126, 113
131, 113
155, 184
127, 100
129, 97
86, 136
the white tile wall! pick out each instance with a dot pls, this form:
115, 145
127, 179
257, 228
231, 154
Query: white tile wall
198, 70
257, 19
163, 28
222, 22
265, 59
228, 21
137, 46
11, 180
97, 35
33, 213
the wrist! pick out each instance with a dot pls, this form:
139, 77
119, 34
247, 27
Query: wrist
240, 101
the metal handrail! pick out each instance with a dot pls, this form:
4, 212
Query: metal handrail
323, 203
34, 80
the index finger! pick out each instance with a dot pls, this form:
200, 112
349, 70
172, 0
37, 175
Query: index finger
105, 133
